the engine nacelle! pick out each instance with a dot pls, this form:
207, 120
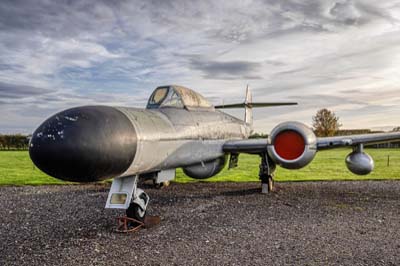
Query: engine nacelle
205, 170
293, 145
359, 163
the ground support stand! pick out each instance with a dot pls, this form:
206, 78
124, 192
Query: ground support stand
128, 225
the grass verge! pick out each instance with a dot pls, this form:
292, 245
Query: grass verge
16, 168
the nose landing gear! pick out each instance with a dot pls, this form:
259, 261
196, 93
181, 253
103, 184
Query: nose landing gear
124, 194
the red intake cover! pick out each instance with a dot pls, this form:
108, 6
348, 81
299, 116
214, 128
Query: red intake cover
289, 144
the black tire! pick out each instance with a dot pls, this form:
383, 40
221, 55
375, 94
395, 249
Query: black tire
134, 211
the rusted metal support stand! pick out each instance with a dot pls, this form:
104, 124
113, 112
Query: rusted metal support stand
127, 225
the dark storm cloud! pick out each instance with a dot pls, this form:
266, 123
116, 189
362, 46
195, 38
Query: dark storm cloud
15, 91
226, 70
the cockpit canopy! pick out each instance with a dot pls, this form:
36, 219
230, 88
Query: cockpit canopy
178, 97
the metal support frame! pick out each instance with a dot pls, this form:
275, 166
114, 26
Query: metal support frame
164, 176
127, 225
266, 174
124, 191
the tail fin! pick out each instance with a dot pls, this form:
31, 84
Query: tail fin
248, 114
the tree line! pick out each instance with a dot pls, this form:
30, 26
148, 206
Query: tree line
14, 142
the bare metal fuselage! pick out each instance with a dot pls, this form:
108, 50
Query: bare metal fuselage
168, 138
178, 128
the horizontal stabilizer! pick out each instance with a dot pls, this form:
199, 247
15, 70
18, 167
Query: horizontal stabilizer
253, 105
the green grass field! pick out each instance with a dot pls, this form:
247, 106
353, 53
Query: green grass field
17, 169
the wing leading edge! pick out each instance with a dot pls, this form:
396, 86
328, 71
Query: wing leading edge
252, 146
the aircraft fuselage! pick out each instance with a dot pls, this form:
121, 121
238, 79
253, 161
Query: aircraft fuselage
170, 137
92, 143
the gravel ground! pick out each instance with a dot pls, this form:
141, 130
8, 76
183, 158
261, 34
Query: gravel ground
313, 223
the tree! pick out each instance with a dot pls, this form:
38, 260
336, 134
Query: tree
2, 142
14, 142
325, 123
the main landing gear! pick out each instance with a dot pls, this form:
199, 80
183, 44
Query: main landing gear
266, 174
124, 194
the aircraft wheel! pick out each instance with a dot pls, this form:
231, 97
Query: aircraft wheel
134, 211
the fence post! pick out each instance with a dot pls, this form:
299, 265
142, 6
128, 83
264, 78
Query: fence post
388, 160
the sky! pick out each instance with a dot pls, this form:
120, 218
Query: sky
341, 55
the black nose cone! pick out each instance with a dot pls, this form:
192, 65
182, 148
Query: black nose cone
84, 144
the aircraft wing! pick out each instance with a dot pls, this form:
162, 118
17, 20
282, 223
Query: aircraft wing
252, 146
257, 146
293, 145
353, 140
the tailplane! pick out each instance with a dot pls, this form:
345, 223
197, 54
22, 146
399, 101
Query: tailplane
249, 105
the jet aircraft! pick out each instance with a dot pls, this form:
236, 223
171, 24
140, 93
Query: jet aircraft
179, 128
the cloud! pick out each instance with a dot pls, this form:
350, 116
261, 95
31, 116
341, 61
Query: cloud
345, 12
15, 91
227, 70
58, 54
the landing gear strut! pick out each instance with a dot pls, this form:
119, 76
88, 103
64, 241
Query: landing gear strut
266, 174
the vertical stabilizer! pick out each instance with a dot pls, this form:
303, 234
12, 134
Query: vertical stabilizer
248, 115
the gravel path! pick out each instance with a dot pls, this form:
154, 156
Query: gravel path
313, 223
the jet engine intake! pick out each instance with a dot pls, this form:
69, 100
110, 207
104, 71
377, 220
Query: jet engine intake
206, 169
359, 163
293, 145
